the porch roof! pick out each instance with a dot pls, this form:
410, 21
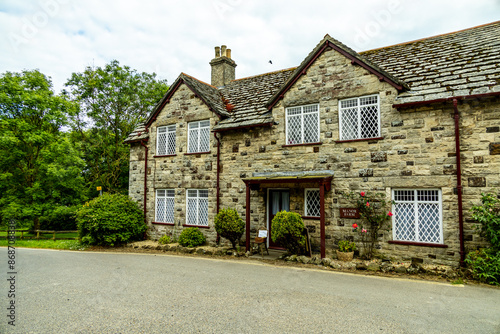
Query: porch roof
325, 176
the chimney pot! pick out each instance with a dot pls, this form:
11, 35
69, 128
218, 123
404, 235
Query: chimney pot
217, 52
223, 50
228, 53
222, 67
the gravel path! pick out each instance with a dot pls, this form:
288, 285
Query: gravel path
83, 292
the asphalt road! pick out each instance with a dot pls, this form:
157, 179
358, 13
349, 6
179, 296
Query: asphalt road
85, 292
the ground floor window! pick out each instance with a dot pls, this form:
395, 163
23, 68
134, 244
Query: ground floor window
165, 206
312, 203
197, 207
417, 215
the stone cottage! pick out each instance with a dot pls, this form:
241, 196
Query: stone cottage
418, 121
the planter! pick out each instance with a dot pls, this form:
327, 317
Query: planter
345, 256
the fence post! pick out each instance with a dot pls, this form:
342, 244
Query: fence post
37, 235
54, 236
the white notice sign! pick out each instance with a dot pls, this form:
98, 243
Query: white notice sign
262, 233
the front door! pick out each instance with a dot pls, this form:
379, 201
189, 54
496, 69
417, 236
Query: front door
279, 200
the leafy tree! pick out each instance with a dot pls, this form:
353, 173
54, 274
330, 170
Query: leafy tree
40, 169
229, 225
113, 100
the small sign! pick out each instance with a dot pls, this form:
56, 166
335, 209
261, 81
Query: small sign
99, 188
262, 233
350, 213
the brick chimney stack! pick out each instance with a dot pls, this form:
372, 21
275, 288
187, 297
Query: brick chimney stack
223, 67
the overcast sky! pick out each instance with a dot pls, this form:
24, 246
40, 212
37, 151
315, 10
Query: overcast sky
168, 37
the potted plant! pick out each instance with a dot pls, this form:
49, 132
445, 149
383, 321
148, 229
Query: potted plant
346, 250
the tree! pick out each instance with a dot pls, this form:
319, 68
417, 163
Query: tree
113, 100
40, 169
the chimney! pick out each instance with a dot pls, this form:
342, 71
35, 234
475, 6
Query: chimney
222, 67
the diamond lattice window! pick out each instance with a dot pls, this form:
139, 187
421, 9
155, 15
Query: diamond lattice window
359, 118
302, 124
165, 199
417, 216
312, 203
197, 207
199, 136
165, 141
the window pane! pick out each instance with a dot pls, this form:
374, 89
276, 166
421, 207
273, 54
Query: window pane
404, 217
359, 118
193, 141
311, 128
203, 212
428, 219
192, 193
169, 216
204, 140
349, 123
160, 209
171, 143
192, 209
162, 144
312, 203
369, 122
294, 130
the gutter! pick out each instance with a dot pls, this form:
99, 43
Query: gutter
218, 181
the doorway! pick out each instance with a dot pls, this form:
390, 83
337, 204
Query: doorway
279, 200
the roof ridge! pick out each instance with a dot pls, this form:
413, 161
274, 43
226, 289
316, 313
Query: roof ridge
267, 73
429, 37
202, 82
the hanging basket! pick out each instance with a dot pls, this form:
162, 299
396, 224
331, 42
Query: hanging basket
345, 256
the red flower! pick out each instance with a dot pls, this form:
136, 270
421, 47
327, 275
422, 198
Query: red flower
390, 214
362, 194
354, 225
367, 204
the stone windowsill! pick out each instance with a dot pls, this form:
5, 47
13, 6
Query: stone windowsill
414, 243
194, 153
186, 225
161, 223
354, 140
306, 144
164, 156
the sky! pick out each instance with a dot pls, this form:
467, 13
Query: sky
61, 37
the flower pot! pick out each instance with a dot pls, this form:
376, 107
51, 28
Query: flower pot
345, 256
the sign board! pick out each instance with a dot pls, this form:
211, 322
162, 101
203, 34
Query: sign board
350, 213
99, 188
262, 233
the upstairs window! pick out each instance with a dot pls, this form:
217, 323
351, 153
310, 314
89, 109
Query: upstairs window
359, 118
165, 140
199, 137
165, 199
302, 124
417, 215
197, 207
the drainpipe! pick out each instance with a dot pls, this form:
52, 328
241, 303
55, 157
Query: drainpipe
145, 181
459, 183
218, 180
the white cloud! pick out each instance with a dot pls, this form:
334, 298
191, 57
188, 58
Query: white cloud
60, 37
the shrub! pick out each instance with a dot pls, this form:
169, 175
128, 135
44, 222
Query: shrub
229, 225
110, 220
191, 237
164, 240
347, 246
287, 230
63, 218
485, 265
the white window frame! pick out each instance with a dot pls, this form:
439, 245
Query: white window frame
198, 127
301, 115
359, 118
167, 196
306, 207
415, 203
166, 131
198, 199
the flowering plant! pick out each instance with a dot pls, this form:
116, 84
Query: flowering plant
374, 211
347, 246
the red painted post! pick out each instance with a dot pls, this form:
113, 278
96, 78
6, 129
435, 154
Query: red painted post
322, 218
247, 229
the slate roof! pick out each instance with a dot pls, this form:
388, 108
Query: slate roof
457, 64
138, 134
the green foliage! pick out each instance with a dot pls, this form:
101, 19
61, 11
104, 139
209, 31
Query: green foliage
374, 209
50, 244
229, 225
40, 168
488, 214
63, 218
347, 246
191, 237
113, 100
164, 240
109, 220
485, 265
287, 230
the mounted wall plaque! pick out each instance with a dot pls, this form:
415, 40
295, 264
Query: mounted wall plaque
352, 213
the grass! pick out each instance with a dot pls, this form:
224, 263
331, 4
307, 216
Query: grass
43, 235
51, 244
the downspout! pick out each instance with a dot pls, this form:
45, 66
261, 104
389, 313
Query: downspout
145, 181
218, 181
459, 183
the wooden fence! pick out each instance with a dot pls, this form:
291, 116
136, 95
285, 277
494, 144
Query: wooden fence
38, 232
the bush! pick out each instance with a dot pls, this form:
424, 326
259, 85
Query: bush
485, 265
229, 225
347, 246
488, 214
110, 220
191, 237
287, 230
164, 240
63, 218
